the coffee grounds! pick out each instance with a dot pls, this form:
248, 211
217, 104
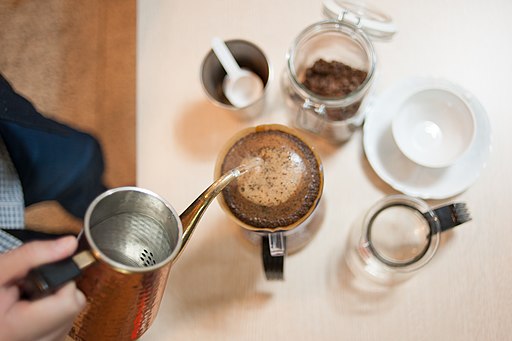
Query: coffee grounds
296, 204
334, 80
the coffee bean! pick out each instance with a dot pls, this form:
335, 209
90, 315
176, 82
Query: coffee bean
334, 80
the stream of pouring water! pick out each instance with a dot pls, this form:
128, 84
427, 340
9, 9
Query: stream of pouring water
247, 166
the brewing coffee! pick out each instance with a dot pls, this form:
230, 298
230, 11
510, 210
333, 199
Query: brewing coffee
283, 190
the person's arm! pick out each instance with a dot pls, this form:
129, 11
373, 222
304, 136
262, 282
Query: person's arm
49, 318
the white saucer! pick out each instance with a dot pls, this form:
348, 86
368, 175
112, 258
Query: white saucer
406, 176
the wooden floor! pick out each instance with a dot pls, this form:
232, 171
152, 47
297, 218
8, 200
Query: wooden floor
75, 60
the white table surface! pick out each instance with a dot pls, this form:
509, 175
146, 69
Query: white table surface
217, 289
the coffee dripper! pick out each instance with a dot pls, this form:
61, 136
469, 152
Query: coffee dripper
275, 239
131, 238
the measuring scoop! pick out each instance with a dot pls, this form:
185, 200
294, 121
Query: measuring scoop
241, 87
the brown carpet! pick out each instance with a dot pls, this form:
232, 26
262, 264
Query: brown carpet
75, 60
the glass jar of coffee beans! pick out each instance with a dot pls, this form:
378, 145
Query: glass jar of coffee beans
331, 67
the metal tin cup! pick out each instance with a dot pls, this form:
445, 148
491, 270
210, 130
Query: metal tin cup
248, 56
134, 235
275, 204
331, 67
398, 236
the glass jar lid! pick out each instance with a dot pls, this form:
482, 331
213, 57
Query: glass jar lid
371, 20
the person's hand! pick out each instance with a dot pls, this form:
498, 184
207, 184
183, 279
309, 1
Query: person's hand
49, 318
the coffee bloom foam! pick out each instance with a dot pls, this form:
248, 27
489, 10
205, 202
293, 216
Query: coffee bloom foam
276, 178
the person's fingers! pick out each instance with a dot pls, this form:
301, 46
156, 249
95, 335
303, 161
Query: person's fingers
50, 313
15, 264
58, 334
9, 295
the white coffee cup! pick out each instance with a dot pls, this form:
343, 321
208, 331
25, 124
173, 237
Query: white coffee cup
434, 127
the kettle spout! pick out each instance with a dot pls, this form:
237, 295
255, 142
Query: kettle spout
191, 216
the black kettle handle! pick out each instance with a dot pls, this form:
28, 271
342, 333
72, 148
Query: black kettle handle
46, 279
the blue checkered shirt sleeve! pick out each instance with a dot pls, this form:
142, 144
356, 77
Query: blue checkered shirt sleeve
12, 214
